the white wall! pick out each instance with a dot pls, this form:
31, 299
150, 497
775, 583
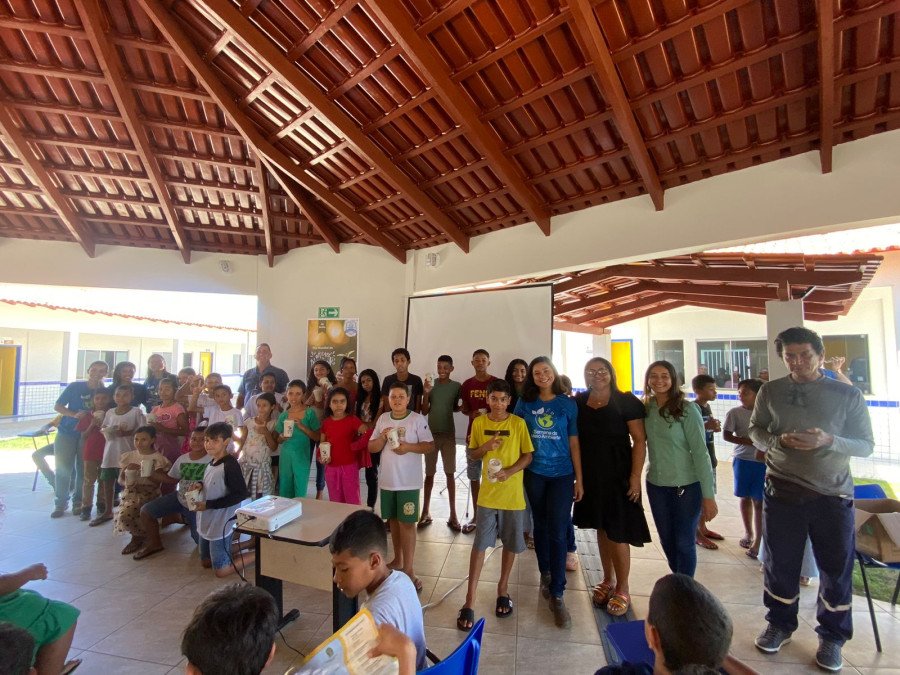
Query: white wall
789, 196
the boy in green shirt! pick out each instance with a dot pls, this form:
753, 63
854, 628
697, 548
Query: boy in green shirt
503, 442
440, 401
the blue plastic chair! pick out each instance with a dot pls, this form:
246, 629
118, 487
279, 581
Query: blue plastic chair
464, 659
630, 642
873, 491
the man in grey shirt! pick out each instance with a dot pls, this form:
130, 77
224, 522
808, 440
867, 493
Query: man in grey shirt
810, 426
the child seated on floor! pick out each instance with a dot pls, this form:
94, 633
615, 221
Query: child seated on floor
359, 555
698, 645
501, 442
142, 472
232, 632
50, 623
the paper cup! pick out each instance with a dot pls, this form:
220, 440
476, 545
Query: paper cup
99, 415
325, 452
318, 394
324, 382
151, 418
147, 466
288, 428
494, 466
393, 438
482, 411
192, 497
131, 476
109, 432
429, 378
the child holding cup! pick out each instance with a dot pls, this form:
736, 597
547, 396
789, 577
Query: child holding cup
93, 443
296, 427
142, 471
339, 430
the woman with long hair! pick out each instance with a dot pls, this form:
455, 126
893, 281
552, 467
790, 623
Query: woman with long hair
516, 372
553, 479
613, 449
320, 380
679, 475
156, 372
368, 408
124, 373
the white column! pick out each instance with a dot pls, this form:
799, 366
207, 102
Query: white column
69, 367
245, 361
780, 315
602, 345
177, 355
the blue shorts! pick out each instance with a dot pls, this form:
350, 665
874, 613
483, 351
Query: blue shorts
749, 478
216, 550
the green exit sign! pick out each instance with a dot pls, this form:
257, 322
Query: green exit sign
329, 312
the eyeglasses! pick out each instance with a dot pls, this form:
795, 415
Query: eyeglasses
595, 373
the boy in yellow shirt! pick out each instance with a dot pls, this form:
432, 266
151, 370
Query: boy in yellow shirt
503, 442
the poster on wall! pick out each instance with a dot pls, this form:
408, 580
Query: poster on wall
331, 340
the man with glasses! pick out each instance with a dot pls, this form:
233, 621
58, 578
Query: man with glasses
811, 426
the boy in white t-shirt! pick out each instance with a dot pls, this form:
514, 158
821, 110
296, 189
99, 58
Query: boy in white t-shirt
400, 474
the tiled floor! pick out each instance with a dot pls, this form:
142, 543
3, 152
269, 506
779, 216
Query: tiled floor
133, 612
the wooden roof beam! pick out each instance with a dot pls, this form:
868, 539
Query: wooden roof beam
613, 295
664, 306
623, 307
577, 328
306, 205
286, 70
266, 216
588, 28
93, 21
170, 27
825, 17
39, 174
711, 274
400, 26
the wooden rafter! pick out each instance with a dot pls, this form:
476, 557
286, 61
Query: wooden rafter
601, 298
93, 21
588, 28
711, 274
171, 29
306, 205
434, 71
283, 69
825, 16
265, 216
49, 191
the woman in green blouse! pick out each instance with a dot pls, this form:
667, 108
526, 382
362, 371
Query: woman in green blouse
679, 473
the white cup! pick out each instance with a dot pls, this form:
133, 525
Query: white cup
147, 466
151, 418
393, 438
131, 476
325, 452
429, 378
192, 497
494, 466
109, 432
99, 415
318, 394
482, 411
288, 428
325, 383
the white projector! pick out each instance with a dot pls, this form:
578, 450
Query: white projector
267, 514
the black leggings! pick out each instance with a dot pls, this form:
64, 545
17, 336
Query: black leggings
372, 480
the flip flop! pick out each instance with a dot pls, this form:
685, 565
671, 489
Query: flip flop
468, 528
746, 542
714, 535
99, 520
425, 522
529, 542
707, 544
618, 604
454, 525
751, 554
504, 603
466, 616
601, 594
417, 582
70, 666
146, 553
132, 547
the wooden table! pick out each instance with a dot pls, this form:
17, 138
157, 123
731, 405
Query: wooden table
298, 553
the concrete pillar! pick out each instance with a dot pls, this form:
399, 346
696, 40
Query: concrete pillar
69, 367
245, 360
602, 345
780, 315
177, 355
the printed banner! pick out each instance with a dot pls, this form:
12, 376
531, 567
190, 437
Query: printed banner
331, 340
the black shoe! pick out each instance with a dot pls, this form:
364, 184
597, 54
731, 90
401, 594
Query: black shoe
58, 513
545, 584
772, 639
561, 616
828, 656
85, 514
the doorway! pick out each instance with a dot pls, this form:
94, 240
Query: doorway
623, 362
10, 356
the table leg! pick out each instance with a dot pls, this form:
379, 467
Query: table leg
343, 608
273, 587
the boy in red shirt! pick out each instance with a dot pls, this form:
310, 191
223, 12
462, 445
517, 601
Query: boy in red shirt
93, 444
474, 403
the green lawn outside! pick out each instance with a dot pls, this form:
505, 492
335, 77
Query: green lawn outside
23, 443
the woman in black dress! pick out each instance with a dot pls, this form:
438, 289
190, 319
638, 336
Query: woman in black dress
613, 448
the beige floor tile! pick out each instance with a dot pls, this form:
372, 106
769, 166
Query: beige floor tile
731, 584
58, 590
93, 663
498, 652
104, 611
860, 651
542, 656
457, 564
644, 573
96, 572
529, 574
536, 619
749, 622
430, 557
444, 614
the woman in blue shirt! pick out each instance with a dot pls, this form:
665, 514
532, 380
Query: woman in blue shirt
553, 479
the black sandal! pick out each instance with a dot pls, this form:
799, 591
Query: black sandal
504, 602
466, 615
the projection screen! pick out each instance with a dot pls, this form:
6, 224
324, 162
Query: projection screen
509, 323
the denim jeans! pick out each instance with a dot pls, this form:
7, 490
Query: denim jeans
168, 505
828, 522
571, 546
551, 506
67, 451
676, 512
320, 468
